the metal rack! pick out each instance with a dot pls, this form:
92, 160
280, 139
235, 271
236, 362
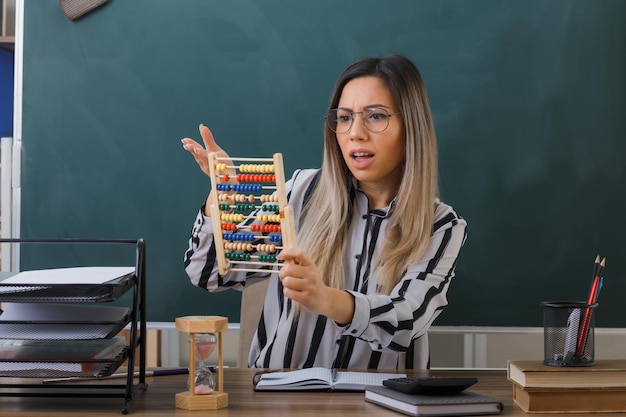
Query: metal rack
133, 352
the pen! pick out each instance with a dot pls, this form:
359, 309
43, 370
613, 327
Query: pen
157, 372
334, 374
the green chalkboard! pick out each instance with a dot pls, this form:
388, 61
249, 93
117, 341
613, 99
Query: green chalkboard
529, 100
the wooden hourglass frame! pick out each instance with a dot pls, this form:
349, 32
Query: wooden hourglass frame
189, 400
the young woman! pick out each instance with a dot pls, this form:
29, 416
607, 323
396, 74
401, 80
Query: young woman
376, 250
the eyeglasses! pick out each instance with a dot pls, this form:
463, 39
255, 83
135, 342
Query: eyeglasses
375, 119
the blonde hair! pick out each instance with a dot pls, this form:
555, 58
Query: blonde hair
327, 215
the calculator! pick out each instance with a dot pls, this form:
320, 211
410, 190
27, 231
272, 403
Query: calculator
430, 385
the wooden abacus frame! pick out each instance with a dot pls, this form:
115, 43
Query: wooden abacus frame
256, 177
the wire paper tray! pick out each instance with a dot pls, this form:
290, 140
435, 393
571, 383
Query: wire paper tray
55, 342
101, 368
53, 358
67, 293
61, 321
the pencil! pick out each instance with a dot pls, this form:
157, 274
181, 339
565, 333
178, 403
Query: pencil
596, 266
593, 296
158, 372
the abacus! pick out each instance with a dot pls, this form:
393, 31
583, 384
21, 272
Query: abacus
246, 242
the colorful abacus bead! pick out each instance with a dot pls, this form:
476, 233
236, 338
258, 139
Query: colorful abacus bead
267, 258
256, 168
239, 237
274, 208
246, 187
249, 247
238, 256
244, 207
265, 228
264, 247
232, 217
255, 178
275, 238
268, 218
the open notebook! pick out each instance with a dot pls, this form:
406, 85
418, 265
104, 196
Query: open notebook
320, 379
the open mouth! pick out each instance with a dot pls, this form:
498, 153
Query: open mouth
361, 155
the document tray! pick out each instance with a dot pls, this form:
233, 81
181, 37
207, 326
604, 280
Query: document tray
37, 321
66, 293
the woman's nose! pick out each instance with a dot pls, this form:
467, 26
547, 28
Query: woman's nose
358, 131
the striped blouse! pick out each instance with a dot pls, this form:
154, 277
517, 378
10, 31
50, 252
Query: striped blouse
387, 331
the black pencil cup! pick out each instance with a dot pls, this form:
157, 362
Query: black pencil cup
568, 333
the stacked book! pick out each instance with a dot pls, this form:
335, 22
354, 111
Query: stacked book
538, 388
464, 403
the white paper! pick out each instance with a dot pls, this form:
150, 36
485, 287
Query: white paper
78, 275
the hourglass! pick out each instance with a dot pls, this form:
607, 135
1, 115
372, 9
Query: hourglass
203, 378
205, 332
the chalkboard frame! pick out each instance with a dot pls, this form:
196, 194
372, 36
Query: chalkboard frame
528, 100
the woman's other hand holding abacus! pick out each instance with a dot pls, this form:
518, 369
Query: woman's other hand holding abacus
302, 283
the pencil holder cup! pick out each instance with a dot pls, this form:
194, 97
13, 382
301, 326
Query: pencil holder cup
568, 333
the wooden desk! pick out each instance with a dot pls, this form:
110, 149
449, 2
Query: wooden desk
158, 400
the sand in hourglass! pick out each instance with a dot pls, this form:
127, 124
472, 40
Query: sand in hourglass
204, 346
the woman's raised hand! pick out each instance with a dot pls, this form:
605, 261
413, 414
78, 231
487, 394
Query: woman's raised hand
201, 153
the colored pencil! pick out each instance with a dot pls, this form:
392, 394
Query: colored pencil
157, 372
593, 296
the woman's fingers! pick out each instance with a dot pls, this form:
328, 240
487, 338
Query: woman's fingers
300, 278
208, 139
199, 154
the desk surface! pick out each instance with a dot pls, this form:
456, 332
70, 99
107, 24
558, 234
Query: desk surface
158, 399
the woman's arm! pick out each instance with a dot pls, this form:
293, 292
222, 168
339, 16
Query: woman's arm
200, 259
393, 321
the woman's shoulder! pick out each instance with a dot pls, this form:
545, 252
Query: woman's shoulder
302, 178
304, 175
445, 214
300, 186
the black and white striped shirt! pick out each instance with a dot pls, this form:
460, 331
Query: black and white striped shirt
387, 331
